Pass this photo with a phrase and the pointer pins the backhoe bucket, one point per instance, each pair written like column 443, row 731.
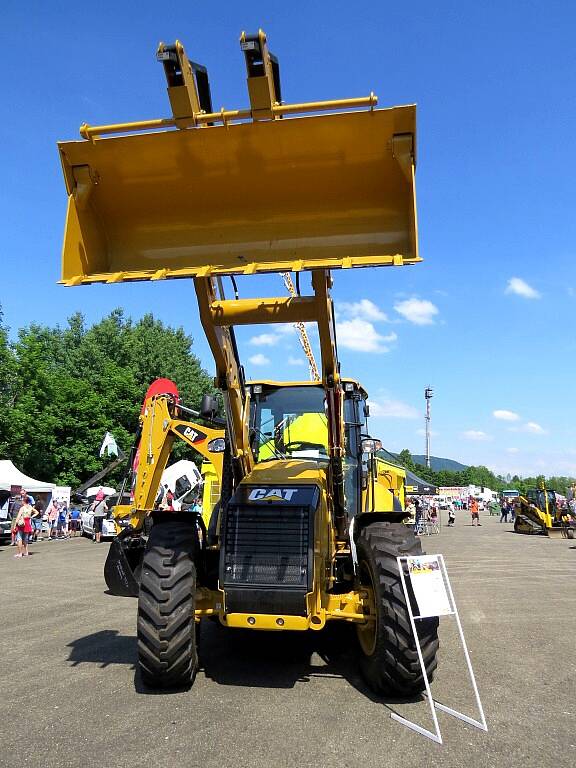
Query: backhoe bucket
column 325, row 191
column 123, row 564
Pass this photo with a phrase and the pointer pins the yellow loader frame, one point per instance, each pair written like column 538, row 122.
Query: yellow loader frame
column 272, row 188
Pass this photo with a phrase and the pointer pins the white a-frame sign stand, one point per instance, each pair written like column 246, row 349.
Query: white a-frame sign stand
column 434, row 597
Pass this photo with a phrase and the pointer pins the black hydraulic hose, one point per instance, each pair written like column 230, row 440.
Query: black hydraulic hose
column 234, row 286
column 242, row 381
column 340, row 518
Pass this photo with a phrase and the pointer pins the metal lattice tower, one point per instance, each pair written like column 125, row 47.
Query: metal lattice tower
column 428, row 394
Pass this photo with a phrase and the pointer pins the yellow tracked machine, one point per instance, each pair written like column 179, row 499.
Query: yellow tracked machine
column 308, row 525
column 539, row 513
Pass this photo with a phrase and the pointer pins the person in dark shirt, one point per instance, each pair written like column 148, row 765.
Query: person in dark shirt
column 37, row 516
column 74, row 522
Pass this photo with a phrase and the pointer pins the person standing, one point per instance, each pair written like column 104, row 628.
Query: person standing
column 63, row 521
column 52, row 515
column 23, row 527
column 503, row 511
column 99, row 510
column 31, row 499
column 75, row 522
column 37, row 515
column 418, row 515
column 473, row 506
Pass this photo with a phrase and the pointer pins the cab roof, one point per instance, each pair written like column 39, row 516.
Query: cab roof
column 268, row 383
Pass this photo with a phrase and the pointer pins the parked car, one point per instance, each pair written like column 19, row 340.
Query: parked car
column 87, row 525
column 5, row 527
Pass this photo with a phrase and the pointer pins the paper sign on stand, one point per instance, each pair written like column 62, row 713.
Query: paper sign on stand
column 433, row 593
column 428, row 585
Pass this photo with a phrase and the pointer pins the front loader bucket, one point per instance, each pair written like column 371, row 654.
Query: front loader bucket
column 326, row 191
column 560, row 532
column 123, row 564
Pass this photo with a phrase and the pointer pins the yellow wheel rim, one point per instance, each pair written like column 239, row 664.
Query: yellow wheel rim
column 368, row 632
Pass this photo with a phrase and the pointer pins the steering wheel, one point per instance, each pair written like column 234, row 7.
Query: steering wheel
column 304, row 445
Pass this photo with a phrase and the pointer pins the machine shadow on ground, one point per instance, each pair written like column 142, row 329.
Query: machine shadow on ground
column 245, row 658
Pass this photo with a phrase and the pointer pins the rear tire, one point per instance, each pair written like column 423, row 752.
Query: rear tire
column 389, row 659
column 167, row 653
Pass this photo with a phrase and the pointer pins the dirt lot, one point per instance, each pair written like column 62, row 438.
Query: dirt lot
column 68, row 673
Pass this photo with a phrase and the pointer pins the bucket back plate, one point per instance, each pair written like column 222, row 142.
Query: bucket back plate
column 325, row 191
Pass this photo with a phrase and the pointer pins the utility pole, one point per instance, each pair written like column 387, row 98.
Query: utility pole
column 428, row 394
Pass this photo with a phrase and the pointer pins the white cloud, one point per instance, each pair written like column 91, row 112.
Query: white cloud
column 259, row 359
column 264, row 340
column 534, row 428
column 286, row 328
column 521, row 288
column 364, row 309
column 504, row 415
column 387, row 407
column 295, row 361
column 361, row 336
column 476, row 434
column 512, row 450
column 417, row 311
column 531, row 427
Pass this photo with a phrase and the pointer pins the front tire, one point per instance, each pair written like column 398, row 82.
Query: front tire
column 389, row 659
column 166, row 627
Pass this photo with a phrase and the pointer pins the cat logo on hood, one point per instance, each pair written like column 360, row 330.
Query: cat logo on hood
column 272, row 494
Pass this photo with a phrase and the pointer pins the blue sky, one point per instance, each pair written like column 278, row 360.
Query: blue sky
column 486, row 319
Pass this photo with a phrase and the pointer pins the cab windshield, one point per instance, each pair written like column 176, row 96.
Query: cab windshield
column 288, row 422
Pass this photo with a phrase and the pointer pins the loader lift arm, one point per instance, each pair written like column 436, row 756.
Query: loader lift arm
column 218, row 316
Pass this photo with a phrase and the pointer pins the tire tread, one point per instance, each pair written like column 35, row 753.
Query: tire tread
column 167, row 653
column 393, row 667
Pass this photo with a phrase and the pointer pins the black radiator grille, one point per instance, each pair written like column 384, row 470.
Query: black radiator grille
column 267, row 545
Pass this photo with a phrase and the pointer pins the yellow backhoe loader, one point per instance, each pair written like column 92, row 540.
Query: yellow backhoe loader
column 309, row 525
column 539, row 513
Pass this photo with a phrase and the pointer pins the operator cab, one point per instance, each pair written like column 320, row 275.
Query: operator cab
column 544, row 500
column 289, row 421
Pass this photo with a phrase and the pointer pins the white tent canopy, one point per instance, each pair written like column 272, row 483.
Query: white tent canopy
column 106, row 490
column 10, row 475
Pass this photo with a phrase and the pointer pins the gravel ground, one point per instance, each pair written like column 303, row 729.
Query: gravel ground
column 68, row 670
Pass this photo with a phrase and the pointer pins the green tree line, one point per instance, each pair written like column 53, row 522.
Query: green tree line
column 62, row 388
column 482, row 476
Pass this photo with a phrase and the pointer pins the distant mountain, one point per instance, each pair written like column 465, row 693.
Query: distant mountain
column 438, row 464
